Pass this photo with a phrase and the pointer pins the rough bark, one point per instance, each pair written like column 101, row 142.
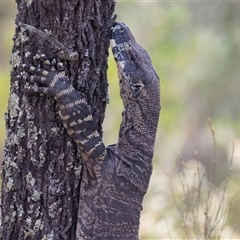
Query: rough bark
column 41, row 169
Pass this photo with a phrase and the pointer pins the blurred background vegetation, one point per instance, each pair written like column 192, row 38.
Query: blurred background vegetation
column 195, row 48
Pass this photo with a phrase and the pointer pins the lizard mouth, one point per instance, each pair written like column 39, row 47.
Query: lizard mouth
column 120, row 42
column 120, row 71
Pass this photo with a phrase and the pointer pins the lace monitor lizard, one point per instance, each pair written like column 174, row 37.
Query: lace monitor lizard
column 115, row 178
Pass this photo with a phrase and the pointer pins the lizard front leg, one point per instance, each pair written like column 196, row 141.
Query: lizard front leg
column 73, row 108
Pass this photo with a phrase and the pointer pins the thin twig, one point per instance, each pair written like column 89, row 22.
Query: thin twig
column 169, row 233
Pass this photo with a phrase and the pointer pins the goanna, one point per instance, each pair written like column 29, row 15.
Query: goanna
column 115, row 178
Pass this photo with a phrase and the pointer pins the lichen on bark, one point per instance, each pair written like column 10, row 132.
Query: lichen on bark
column 41, row 169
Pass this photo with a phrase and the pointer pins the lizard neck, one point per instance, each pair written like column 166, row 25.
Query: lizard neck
column 139, row 125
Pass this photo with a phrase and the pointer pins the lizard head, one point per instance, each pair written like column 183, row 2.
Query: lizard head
column 135, row 70
column 139, row 90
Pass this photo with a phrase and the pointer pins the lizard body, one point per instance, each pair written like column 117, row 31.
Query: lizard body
column 114, row 178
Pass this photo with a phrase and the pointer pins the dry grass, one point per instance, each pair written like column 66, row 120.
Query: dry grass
column 204, row 209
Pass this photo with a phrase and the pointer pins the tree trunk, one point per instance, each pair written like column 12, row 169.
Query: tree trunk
column 41, row 169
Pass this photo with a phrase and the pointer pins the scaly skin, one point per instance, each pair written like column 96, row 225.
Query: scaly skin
column 62, row 52
column 114, row 179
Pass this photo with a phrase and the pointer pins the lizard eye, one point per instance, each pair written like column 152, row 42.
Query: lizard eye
column 121, row 29
column 132, row 58
column 137, row 87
